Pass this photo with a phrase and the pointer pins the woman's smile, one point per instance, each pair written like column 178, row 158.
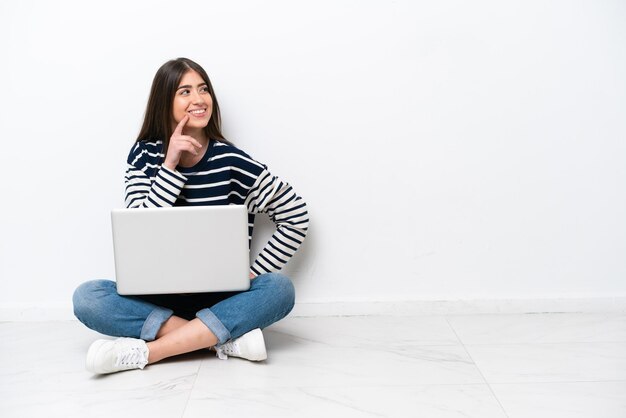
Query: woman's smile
column 199, row 113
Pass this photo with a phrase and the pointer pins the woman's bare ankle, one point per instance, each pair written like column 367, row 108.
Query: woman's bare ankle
column 153, row 356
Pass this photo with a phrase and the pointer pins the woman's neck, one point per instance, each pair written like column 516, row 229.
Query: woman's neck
column 189, row 160
column 197, row 134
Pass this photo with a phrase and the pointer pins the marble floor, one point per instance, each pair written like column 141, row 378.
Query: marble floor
column 537, row 365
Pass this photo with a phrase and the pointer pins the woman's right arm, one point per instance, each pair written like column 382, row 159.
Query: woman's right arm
column 165, row 185
column 145, row 192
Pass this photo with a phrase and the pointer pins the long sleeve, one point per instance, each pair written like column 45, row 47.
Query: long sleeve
column 288, row 211
column 143, row 191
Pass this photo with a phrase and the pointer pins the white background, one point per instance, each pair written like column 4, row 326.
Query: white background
column 447, row 150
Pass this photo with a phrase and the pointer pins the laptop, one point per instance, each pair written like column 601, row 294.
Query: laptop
column 181, row 249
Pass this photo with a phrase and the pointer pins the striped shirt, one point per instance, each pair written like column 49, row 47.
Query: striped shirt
column 225, row 176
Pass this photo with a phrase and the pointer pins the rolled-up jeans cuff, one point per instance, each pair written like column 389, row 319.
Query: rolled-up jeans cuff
column 215, row 325
column 153, row 323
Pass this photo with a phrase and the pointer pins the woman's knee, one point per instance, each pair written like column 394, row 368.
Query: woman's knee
column 86, row 296
column 281, row 288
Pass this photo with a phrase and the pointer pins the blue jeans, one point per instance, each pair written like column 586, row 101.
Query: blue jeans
column 227, row 314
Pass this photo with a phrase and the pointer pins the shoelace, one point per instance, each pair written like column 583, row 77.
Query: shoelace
column 133, row 356
column 224, row 350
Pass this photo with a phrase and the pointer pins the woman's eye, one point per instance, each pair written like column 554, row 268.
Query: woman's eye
column 204, row 89
column 184, row 92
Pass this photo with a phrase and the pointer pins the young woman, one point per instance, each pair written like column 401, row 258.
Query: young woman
column 181, row 158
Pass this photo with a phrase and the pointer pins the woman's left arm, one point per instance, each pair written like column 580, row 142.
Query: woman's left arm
column 288, row 211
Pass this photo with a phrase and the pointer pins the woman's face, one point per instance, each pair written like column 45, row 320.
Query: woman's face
column 192, row 98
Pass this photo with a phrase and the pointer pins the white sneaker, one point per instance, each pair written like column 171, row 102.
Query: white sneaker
column 109, row 356
column 250, row 346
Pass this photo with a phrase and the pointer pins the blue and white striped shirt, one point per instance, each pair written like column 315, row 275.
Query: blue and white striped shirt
column 224, row 176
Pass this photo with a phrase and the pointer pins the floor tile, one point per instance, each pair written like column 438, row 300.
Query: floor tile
column 293, row 361
column 348, row 401
column 533, row 328
column 357, row 331
column 565, row 362
column 32, row 363
column 566, row 400
column 42, row 373
column 156, row 401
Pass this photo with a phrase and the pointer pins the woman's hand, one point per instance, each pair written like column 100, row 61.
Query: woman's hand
column 180, row 143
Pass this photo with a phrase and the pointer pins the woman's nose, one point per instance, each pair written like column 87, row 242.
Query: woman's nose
column 197, row 98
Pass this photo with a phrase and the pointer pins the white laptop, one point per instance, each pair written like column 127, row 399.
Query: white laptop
column 181, row 249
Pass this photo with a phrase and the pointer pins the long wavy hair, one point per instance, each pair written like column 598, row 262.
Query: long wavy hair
column 157, row 122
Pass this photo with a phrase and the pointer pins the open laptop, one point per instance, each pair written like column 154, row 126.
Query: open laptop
column 181, row 249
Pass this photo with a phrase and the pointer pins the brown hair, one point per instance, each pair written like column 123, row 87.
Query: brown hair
column 157, row 122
